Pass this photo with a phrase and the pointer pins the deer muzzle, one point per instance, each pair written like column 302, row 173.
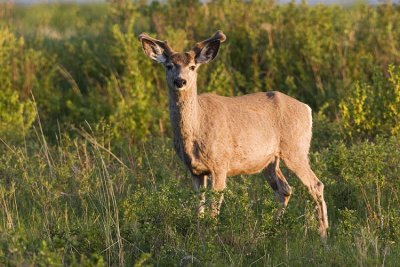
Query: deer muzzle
column 179, row 83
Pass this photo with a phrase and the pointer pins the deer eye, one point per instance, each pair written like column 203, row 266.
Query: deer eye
column 192, row 67
column 169, row 66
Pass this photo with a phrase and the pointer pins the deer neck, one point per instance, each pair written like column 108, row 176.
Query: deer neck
column 184, row 114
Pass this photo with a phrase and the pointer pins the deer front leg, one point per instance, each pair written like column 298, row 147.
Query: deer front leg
column 200, row 185
column 218, row 186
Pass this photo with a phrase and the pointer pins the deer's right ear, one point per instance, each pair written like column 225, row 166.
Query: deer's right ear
column 155, row 49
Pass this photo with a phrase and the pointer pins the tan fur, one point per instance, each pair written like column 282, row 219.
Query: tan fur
column 225, row 136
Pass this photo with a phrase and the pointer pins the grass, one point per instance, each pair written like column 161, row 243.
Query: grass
column 76, row 203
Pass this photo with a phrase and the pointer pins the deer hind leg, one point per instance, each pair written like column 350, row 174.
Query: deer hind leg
column 278, row 183
column 218, row 186
column 200, row 184
column 301, row 167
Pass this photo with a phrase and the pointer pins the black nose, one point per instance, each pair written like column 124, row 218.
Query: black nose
column 179, row 82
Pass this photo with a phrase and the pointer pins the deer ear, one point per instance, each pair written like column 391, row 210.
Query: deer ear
column 154, row 51
column 208, row 52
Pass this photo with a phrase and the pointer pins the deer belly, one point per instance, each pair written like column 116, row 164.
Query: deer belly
column 252, row 158
column 250, row 166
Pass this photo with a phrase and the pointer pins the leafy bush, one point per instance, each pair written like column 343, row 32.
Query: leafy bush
column 18, row 68
column 373, row 109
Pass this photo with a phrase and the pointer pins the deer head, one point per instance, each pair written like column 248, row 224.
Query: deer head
column 181, row 68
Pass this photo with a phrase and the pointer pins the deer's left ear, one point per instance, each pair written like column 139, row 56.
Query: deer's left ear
column 207, row 50
column 208, row 53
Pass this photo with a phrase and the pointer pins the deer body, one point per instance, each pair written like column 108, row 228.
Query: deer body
column 242, row 134
column 221, row 136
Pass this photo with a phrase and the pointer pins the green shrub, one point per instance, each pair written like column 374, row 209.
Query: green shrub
column 373, row 109
column 18, row 70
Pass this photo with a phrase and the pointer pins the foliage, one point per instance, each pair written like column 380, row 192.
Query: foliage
column 18, row 68
column 88, row 176
column 93, row 69
column 372, row 109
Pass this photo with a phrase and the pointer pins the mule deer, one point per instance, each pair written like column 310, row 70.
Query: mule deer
column 224, row 136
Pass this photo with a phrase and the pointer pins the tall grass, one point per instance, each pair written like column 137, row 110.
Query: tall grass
column 90, row 207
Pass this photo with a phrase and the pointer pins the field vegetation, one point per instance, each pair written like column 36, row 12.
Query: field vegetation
column 88, row 176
